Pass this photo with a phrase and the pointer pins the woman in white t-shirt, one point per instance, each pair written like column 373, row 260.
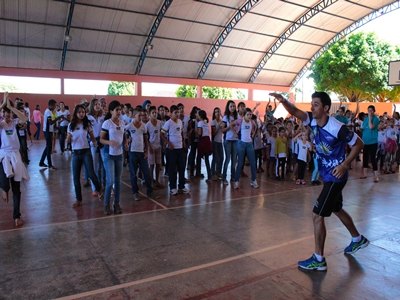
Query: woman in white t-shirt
column 218, row 149
column 12, row 169
column 204, row 148
column 96, row 119
column 230, row 129
column 245, row 148
column 77, row 134
column 112, row 136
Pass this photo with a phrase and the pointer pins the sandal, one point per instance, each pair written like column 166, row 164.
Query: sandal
column 376, row 179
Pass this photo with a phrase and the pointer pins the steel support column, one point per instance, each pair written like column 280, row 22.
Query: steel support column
column 285, row 35
column 66, row 34
column 152, row 33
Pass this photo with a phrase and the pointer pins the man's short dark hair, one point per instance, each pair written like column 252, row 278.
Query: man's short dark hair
column 52, row 102
column 173, row 108
column 324, row 97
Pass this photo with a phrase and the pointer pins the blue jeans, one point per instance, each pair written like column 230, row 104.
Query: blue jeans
column 176, row 163
column 218, row 158
column 37, row 133
column 137, row 160
column 98, row 167
column 243, row 149
column 79, row 158
column 230, row 156
column 315, row 172
column 113, row 166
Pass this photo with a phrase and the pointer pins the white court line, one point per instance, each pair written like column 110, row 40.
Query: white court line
column 198, row 267
column 151, row 199
column 182, row 271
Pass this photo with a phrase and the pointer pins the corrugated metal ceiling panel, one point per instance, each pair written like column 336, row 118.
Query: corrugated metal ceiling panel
column 274, row 78
column 228, row 73
column 177, row 50
column 159, row 67
column 248, row 40
column 18, row 57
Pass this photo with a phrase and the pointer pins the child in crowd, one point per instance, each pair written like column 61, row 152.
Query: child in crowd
column 304, row 147
column 153, row 127
column 218, row 150
column 281, row 153
column 204, row 148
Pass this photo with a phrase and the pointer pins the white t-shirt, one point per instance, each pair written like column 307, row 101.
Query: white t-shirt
column 27, row 113
column 174, row 131
column 137, row 136
column 391, row 133
column 185, row 124
column 96, row 124
column 154, row 134
column 303, row 149
column 47, row 114
column 64, row 113
column 115, row 133
column 218, row 131
column 205, row 128
column 8, row 135
column 272, row 141
column 79, row 137
column 245, row 131
column 230, row 134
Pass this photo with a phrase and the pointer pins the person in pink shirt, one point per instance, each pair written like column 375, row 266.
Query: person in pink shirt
column 37, row 119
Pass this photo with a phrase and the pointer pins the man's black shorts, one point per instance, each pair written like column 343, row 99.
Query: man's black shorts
column 330, row 200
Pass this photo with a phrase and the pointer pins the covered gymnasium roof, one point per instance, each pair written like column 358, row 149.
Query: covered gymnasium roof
column 260, row 41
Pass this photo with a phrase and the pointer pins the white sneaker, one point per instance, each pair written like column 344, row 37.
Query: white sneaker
column 185, row 191
column 136, row 197
column 236, row 185
column 254, row 184
column 173, row 192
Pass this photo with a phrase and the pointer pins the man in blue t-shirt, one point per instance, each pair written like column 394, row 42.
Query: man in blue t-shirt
column 330, row 139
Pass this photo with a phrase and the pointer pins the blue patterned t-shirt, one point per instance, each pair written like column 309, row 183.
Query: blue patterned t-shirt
column 330, row 142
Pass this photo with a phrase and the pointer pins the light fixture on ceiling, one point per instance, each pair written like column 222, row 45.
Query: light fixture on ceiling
column 216, row 54
column 67, row 38
column 149, row 47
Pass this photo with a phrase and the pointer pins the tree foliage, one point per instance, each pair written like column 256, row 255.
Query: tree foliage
column 190, row 91
column 120, row 88
column 356, row 67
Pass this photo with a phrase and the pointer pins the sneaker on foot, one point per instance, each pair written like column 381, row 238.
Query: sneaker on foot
column 313, row 264
column 254, row 184
column 184, row 191
column 236, row 185
column 117, row 209
column 43, row 165
column 136, row 197
column 77, row 204
column 107, row 211
column 355, row 246
column 173, row 192
column 225, row 182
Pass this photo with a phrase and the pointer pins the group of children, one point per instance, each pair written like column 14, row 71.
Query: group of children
column 105, row 138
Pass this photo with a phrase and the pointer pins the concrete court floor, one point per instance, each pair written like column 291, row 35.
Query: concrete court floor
column 215, row 243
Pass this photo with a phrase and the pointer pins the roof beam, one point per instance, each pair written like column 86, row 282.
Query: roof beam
column 285, row 35
column 67, row 29
column 325, row 12
column 372, row 16
column 152, row 33
column 245, row 8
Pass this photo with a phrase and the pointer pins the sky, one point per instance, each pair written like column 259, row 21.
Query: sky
column 385, row 28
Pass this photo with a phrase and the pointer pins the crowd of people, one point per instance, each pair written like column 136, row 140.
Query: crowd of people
column 165, row 141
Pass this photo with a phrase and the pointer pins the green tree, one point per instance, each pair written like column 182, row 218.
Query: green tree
column 7, row 87
column 186, row 91
column 355, row 67
column 121, row 88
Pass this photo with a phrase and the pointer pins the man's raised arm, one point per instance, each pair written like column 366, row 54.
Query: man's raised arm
column 293, row 110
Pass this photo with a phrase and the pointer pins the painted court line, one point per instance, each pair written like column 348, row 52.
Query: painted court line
column 151, row 199
column 147, row 211
column 182, row 271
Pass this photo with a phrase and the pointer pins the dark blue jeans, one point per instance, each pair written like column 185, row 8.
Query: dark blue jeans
column 230, row 157
column 176, row 162
column 218, row 158
column 49, row 148
column 16, row 190
column 136, row 161
column 37, row 133
column 79, row 158
column 62, row 130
